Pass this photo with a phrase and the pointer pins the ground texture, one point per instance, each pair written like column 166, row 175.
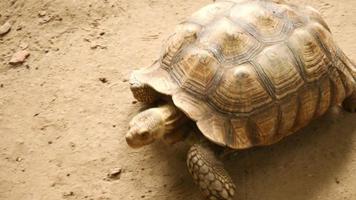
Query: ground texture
column 64, row 112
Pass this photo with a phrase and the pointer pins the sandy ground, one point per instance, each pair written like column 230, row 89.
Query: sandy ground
column 62, row 129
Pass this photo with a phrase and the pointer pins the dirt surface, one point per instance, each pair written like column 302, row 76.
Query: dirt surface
column 65, row 110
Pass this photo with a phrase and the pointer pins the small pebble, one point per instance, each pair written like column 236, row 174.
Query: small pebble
column 18, row 159
column 72, row 145
column 94, row 46
column 19, row 57
column 103, row 80
column 114, row 173
column 67, row 194
column 97, row 46
column 5, row 28
column 42, row 13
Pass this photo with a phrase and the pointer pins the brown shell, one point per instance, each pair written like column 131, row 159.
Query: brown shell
column 251, row 72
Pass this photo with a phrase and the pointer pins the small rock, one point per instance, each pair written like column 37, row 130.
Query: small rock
column 68, row 194
column 18, row 159
column 114, row 174
column 58, row 18
column 103, row 80
column 42, row 13
column 94, row 46
column 5, row 28
column 72, row 145
column 19, row 57
column 45, row 19
column 97, row 46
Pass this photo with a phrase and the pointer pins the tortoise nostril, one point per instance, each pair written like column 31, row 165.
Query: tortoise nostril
column 145, row 134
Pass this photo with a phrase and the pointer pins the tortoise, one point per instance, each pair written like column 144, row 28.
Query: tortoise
column 239, row 74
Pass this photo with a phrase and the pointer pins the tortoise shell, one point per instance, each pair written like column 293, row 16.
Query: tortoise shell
column 251, row 72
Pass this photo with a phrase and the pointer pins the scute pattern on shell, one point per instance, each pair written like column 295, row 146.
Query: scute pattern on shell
column 251, row 72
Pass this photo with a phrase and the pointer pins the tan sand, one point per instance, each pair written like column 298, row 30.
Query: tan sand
column 62, row 129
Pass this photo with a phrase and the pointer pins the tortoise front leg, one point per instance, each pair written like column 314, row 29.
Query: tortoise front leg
column 142, row 92
column 209, row 174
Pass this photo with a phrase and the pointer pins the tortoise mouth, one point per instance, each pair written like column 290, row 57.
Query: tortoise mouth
column 137, row 140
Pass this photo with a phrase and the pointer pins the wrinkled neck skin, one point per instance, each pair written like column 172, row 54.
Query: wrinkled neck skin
column 174, row 119
column 171, row 118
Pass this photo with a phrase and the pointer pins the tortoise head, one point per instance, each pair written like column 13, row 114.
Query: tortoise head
column 145, row 128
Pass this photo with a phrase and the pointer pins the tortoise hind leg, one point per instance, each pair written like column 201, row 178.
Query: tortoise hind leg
column 349, row 103
column 209, row 173
column 142, row 92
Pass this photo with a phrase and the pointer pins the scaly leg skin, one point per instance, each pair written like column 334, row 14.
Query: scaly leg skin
column 349, row 103
column 209, row 173
column 142, row 92
column 153, row 124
